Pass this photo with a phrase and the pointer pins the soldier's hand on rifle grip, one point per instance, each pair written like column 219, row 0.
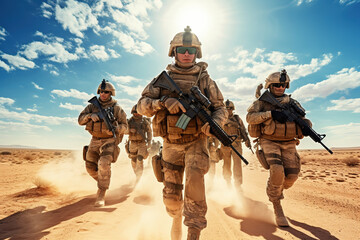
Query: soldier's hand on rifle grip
column 206, row 130
column 278, row 116
column 174, row 106
column 108, row 132
column 94, row 117
column 306, row 131
column 248, row 144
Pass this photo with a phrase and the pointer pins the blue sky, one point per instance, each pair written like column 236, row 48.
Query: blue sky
column 53, row 55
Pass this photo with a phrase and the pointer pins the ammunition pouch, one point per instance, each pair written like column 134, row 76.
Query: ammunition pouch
column 254, row 130
column 85, row 149
column 97, row 129
column 158, row 168
column 116, row 154
column 261, row 157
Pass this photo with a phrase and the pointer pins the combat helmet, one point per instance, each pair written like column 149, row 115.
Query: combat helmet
column 186, row 39
column 229, row 105
column 106, row 86
column 134, row 109
column 277, row 77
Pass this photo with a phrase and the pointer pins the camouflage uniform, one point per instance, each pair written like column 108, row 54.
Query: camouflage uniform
column 103, row 149
column 140, row 136
column 234, row 126
column 278, row 141
column 185, row 148
column 213, row 145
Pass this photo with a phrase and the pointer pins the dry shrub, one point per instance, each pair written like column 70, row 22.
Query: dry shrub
column 351, row 162
column 57, row 153
column 5, row 153
column 29, row 157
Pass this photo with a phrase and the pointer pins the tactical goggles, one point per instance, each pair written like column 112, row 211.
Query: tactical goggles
column 182, row 50
column 277, row 85
column 106, row 92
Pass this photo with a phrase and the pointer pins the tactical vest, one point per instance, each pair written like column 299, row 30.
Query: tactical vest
column 140, row 126
column 164, row 122
column 232, row 126
column 274, row 130
column 97, row 129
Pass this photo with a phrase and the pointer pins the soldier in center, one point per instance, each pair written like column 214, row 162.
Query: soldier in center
column 234, row 126
column 140, row 136
column 184, row 150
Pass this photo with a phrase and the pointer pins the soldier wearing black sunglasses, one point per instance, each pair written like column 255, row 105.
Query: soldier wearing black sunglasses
column 277, row 137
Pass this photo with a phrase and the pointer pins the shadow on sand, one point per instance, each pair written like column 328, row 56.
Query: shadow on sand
column 257, row 226
column 31, row 223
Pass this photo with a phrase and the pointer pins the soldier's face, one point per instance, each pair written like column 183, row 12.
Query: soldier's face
column 277, row 91
column 104, row 95
column 186, row 57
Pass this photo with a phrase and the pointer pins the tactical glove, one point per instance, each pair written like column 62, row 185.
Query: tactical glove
column 306, row 131
column 174, row 106
column 206, row 130
column 94, row 117
column 278, row 116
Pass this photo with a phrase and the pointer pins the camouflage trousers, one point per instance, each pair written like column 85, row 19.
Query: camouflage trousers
column 284, row 162
column 100, row 155
column 214, row 158
column 137, row 153
column 194, row 157
column 227, row 153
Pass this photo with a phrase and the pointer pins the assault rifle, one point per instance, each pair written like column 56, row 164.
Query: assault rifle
column 104, row 114
column 294, row 114
column 195, row 104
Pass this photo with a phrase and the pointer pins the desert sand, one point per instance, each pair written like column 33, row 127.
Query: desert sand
column 47, row 194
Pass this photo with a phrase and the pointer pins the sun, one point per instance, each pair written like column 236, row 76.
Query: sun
column 206, row 18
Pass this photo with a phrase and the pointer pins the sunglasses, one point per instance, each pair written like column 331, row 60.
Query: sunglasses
column 277, row 85
column 182, row 50
column 106, row 92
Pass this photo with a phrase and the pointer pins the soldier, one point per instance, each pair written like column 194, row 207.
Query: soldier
column 140, row 136
column 234, row 126
column 184, row 150
column 103, row 149
column 278, row 138
column 213, row 145
column 154, row 148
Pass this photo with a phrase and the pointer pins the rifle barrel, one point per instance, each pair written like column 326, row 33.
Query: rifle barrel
column 242, row 158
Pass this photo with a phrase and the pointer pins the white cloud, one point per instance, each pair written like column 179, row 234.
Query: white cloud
column 7, row 101
column 76, row 16
column 46, row 10
column 342, row 80
column 299, row 2
column 51, row 68
column 56, row 50
column 132, row 91
column 72, row 93
column 260, row 64
column 55, row 73
column 124, row 79
column 113, row 53
column 13, row 126
column 3, row 33
column 99, row 52
column 37, row 86
column 5, row 66
column 72, row 106
column 35, row 96
column 34, row 109
column 346, row 105
column 348, row 2
column 18, row 61
column 213, row 57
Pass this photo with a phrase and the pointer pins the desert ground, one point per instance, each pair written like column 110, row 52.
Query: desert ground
column 47, row 194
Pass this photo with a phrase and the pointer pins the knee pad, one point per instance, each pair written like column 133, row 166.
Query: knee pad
column 140, row 158
column 92, row 169
column 277, row 174
column 290, row 179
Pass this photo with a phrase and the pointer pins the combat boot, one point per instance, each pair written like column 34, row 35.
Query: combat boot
column 280, row 218
column 100, row 198
column 193, row 234
column 176, row 231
